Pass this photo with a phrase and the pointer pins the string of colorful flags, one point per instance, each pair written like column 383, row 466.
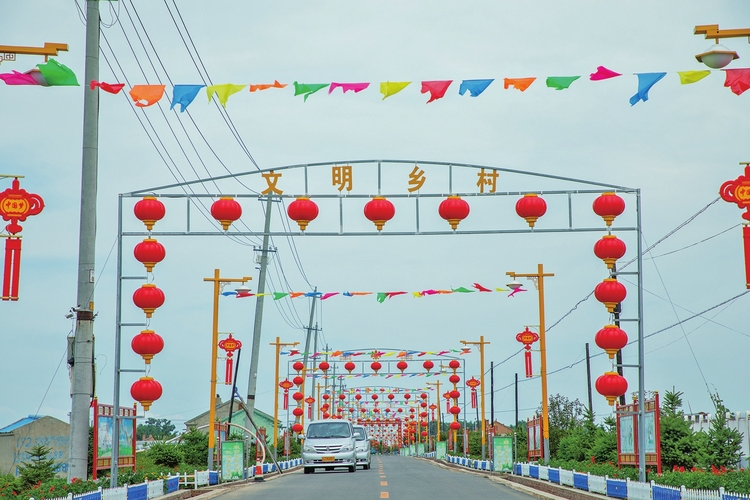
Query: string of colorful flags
column 52, row 73
column 380, row 296
column 376, row 354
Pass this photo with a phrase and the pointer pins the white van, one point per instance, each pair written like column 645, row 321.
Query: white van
column 362, row 446
column 329, row 444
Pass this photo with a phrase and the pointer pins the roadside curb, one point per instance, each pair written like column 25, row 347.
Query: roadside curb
column 208, row 492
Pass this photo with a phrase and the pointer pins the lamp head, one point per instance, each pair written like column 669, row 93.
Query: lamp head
column 717, row 56
column 243, row 288
column 514, row 285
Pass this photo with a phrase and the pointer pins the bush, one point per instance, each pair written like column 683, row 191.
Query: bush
column 165, row 454
column 194, row 445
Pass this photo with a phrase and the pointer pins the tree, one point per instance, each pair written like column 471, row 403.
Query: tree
column 521, row 438
column 605, row 445
column 724, row 447
column 578, row 442
column 194, row 445
column 678, row 446
column 564, row 415
column 166, row 454
column 158, row 428
column 38, row 468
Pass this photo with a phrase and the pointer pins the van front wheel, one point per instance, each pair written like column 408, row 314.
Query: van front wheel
column 353, row 468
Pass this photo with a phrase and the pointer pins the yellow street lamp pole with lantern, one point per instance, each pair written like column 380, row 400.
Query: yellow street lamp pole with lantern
column 278, row 345
column 538, row 279
column 219, row 283
column 437, row 387
column 481, row 345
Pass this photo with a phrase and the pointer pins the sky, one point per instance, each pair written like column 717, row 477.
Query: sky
column 677, row 148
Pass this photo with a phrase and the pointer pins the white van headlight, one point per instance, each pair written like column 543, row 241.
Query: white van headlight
column 346, row 448
column 308, row 449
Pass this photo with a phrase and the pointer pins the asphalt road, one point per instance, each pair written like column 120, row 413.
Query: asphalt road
column 391, row 476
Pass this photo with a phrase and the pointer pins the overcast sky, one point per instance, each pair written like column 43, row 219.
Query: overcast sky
column 678, row 148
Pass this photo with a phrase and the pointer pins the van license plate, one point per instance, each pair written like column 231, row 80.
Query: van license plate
column 328, row 459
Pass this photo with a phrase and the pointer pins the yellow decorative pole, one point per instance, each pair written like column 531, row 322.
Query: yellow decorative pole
column 278, row 345
column 538, row 279
column 481, row 345
column 437, row 385
column 218, row 282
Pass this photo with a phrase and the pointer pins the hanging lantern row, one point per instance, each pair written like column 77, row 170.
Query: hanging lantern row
column 148, row 297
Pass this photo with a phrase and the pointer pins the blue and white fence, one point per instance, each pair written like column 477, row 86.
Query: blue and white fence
column 160, row 487
column 613, row 488
column 468, row 462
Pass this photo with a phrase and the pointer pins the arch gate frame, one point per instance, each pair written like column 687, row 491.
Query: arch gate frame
column 271, row 193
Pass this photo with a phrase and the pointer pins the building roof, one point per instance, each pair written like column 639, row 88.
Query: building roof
column 20, row 423
column 224, row 407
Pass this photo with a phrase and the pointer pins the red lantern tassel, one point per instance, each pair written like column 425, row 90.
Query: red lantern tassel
column 309, row 412
column 286, row 400
column 527, row 359
column 448, row 406
column 228, row 372
column 12, row 268
column 746, row 238
column 474, row 398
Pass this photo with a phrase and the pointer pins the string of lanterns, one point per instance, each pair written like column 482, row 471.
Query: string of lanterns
column 148, row 297
column 611, row 293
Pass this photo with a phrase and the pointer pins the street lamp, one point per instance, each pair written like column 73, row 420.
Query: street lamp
column 437, row 386
column 481, row 345
column 717, row 56
column 538, row 279
column 278, row 345
column 218, row 285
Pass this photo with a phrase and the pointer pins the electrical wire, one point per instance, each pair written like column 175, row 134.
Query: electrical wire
column 696, row 243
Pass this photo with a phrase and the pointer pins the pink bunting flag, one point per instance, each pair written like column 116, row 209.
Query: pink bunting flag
column 603, row 73
column 436, row 88
column 329, row 294
column 390, row 295
column 355, row 87
column 736, row 79
column 112, row 88
column 17, row 78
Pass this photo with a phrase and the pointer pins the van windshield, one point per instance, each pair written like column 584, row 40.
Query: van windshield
column 359, row 434
column 316, row 431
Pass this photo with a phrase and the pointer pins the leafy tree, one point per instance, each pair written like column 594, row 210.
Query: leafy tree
column 678, row 446
column 604, row 448
column 38, row 468
column 724, row 447
column 522, row 446
column 158, row 428
column 194, row 445
column 564, row 415
column 578, row 443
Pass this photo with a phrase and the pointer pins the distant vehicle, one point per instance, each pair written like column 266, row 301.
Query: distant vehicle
column 329, row 444
column 362, row 445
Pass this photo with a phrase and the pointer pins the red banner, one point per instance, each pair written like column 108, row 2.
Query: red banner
column 746, row 238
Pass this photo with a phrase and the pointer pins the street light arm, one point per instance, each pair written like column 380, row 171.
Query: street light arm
column 712, row 31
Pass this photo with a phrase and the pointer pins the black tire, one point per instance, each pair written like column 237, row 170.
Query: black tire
column 309, row 470
column 353, row 468
column 367, row 466
column 329, row 469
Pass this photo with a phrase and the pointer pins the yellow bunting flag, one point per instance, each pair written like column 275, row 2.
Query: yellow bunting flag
column 223, row 92
column 391, row 88
column 687, row 77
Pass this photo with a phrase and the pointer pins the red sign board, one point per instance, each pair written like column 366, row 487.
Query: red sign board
column 535, row 438
column 628, row 431
column 106, row 436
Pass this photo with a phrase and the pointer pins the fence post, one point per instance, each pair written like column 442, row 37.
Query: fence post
column 682, row 491
column 721, row 492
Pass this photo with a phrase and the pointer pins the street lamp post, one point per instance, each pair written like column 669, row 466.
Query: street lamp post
column 437, row 387
column 278, row 345
column 538, row 279
column 218, row 285
column 481, row 345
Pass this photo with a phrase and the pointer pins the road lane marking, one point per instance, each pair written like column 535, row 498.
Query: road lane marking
column 383, row 483
column 384, row 494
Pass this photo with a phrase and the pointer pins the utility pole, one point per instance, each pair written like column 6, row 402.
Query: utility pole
column 492, row 393
column 82, row 383
column 253, row 378
column 515, row 427
column 305, row 355
column 588, row 379
column 617, row 311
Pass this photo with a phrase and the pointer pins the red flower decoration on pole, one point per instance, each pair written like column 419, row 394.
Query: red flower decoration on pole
column 302, row 211
column 379, row 210
column 531, row 207
column 454, row 210
column 226, row 210
column 608, row 206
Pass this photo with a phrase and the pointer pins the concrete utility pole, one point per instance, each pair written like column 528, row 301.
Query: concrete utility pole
column 82, row 383
column 253, row 378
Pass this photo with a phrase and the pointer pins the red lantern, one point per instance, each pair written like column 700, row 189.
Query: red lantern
column 298, row 396
column 611, row 339
column 358, row 396
column 374, row 397
column 298, row 366
column 402, row 365
column 376, row 366
column 149, row 252
column 298, row 427
column 531, row 207
column 608, row 206
column 611, row 386
column 424, row 433
column 326, row 397
column 610, row 292
column 454, row 364
column 229, row 345
column 149, row 298
column 149, row 210
column 527, row 337
column 349, row 366
column 298, row 381
column 455, row 426
column 342, row 397
column 324, row 366
column 302, row 211
column 379, row 211
column 146, row 390
column 286, row 385
column 455, row 410
column 428, row 365
column 407, row 396
column 454, row 210
column 454, row 394
column 147, row 344
column 454, row 379
column 609, row 249
column 297, row 412
column 391, row 396
column 226, row 210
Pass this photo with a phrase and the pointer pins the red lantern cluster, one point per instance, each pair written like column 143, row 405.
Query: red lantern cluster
column 148, row 297
column 530, row 208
